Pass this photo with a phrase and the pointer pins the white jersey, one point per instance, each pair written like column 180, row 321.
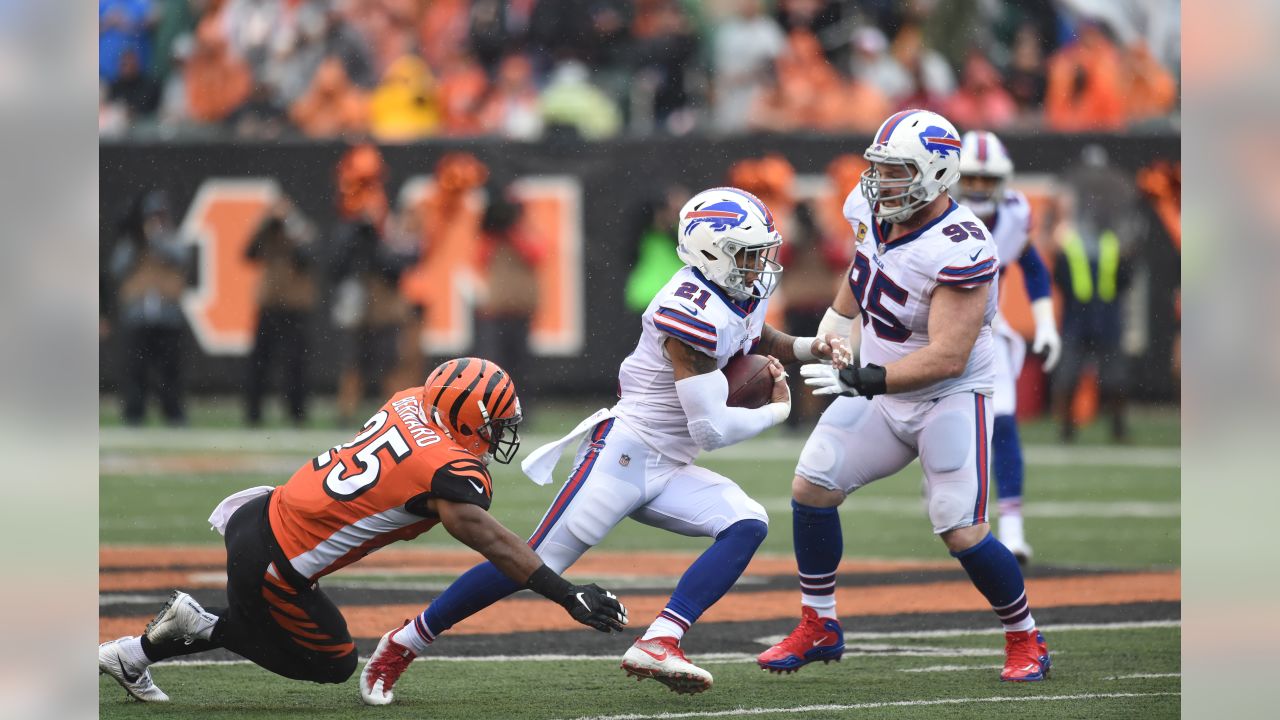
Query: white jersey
column 699, row 313
column 1011, row 227
column 893, row 284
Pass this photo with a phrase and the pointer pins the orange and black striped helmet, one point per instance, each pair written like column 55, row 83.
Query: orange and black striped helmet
column 474, row 401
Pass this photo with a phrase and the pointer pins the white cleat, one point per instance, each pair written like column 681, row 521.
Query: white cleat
column 181, row 618
column 382, row 671
column 135, row 681
column 662, row 659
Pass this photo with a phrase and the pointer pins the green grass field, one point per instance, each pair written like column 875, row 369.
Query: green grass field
column 1088, row 506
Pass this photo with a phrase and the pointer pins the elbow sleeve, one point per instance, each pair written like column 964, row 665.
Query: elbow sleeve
column 712, row 423
column 1034, row 273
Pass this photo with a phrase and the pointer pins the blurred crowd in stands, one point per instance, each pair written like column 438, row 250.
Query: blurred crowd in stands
column 402, row 70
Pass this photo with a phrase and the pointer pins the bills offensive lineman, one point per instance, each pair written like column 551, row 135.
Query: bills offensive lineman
column 985, row 170
column 921, row 279
column 636, row 459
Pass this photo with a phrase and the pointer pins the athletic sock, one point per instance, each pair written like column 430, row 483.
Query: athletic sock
column 819, row 545
column 475, row 590
column 708, row 578
column 1006, row 459
column 995, row 572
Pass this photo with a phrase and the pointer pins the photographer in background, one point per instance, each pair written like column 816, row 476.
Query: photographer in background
column 368, row 306
column 150, row 265
column 286, row 298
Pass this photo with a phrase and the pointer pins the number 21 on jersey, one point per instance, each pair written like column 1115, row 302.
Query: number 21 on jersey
column 870, row 288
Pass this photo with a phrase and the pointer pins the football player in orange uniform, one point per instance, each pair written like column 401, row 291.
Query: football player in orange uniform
column 418, row 462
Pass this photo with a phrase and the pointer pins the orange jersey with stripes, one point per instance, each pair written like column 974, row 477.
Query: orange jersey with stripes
column 372, row 491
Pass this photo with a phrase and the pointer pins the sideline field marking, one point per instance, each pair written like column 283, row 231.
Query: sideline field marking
column 914, row 507
column 306, row 442
column 740, row 657
column 740, row 712
column 771, row 640
column 1144, row 676
column 951, row 668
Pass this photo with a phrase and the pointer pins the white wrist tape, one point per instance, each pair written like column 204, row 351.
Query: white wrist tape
column 803, row 348
column 835, row 323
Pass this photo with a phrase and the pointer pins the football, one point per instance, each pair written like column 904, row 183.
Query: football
column 750, row 383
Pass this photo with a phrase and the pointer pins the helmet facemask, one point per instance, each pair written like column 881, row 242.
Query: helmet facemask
column 908, row 191
column 760, row 261
column 502, row 435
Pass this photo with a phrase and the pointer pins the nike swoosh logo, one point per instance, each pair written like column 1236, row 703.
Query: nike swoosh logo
column 654, row 655
column 478, row 488
column 690, row 310
column 976, row 253
column 818, row 642
column 124, row 671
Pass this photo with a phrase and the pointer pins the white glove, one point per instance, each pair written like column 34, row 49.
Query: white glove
column 1047, row 342
column 824, row 379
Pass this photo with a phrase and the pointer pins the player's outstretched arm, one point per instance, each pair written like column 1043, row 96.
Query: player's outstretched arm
column 704, row 395
column 588, row 604
column 833, row 343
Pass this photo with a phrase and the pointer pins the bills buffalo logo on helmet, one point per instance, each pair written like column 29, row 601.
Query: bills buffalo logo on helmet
column 720, row 215
column 936, row 139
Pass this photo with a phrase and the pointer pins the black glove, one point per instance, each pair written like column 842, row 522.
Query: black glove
column 594, row 606
column 867, row 381
column 590, row 605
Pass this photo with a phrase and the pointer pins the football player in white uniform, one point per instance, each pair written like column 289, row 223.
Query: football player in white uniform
column 985, row 169
column 921, row 280
column 636, row 459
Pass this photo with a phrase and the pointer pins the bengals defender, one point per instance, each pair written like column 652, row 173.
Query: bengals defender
column 420, row 461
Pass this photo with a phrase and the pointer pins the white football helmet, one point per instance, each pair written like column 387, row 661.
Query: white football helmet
column 983, row 155
column 727, row 234
column 924, row 142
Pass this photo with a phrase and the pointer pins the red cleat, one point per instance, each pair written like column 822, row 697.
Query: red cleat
column 815, row 638
column 1026, row 657
column 382, row 671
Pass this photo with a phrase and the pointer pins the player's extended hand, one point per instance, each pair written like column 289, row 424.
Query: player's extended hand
column 595, row 607
column 1048, row 343
column 824, row 379
column 867, row 381
column 781, row 391
column 838, row 352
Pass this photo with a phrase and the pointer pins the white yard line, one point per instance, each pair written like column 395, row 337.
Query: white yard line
column 308, row 442
column 1144, row 676
column 996, row 630
column 912, row 507
column 952, row 668
column 741, row 712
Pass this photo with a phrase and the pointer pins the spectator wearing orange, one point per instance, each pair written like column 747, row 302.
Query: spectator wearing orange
column 406, row 104
column 510, row 254
column 981, row 102
column 1150, row 90
column 510, row 108
column 463, row 84
column 367, row 307
column 332, row 106
column 1085, row 89
column 216, row 82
